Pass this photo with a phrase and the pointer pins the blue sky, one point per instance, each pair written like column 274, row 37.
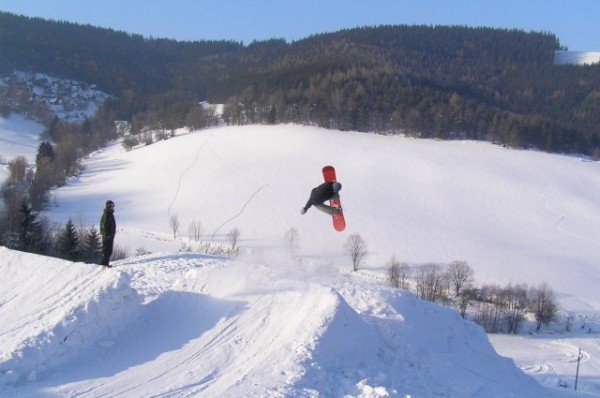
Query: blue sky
column 575, row 22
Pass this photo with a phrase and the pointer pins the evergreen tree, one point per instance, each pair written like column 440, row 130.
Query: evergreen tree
column 52, row 130
column 45, row 153
column 91, row 249
column 68, row 242
column 444, row 82
column 86, row 128
column 27, row 224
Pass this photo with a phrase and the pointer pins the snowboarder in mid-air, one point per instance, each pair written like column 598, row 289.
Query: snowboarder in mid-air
column 328, row 191
column 321, row 194
column 108, row 228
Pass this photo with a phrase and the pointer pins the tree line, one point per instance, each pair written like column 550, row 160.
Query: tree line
column 429, row 81
column 498, row 309
column 26, row 191
column 23, row 229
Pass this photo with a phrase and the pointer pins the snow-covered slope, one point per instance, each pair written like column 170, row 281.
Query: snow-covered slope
column 18, row 137
column 51, row 309
column 515, row 216
column 272, row 324
column 577, row 57
column 179, row 325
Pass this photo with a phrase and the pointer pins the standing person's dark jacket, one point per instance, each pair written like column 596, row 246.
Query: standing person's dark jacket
column 108, row 229
column 108, row 226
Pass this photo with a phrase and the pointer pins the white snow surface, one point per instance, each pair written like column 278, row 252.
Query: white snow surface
column 577, row 57
column 19, row 136
column 182, row 325
column 515, row 216
column 273, row 324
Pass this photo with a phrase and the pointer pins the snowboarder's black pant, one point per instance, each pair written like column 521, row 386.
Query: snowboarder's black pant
column 328, row 209
column 107, row 249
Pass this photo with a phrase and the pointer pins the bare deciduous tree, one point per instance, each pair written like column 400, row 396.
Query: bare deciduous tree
column 119, row 253
column 459, row 274
column 543, row 304
column 174, row 223
column 394, row 272
column 398, row 273
column 569, row 319
column 195, row 230
column 291, row 238
column 488, row 308
column 404, row 275
column 233, row 237
column 430, row 282
column 467, row 294
column 514, row 305
column 357, row 248
column 17, row 169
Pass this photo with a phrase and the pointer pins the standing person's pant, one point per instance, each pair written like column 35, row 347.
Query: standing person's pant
column 107, row 249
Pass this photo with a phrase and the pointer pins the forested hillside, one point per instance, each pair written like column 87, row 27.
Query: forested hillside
column 444, row 82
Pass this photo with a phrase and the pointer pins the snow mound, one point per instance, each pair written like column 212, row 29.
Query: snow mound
column 194, row 325
column 51, row 309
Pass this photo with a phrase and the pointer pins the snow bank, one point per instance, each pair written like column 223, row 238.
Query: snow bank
column 52, row 309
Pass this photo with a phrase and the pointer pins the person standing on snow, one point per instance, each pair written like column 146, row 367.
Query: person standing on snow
column 108, row 228
column 321, row 194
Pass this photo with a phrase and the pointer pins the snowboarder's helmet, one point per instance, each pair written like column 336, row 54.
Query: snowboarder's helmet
column 110, row 203
column 336, row 186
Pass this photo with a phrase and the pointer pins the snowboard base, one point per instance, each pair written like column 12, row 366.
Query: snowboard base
column 339, row 222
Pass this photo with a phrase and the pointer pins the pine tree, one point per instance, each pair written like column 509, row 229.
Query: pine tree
column 91, row 249
column 27, row 227
column 45, row 153
column 68, row 242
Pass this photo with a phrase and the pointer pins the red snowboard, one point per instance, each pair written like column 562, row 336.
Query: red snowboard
column 338, row 219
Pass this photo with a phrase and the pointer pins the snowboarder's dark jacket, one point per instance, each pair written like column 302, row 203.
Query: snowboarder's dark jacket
column 320, row 194
column 108, row 226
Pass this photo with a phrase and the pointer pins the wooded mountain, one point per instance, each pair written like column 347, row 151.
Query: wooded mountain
column 447, row 82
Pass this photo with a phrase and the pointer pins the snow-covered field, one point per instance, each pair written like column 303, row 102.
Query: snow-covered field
column 273, row 324
column 19, row 136
column 577, row 57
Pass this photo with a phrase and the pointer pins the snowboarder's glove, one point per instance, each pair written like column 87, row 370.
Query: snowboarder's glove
column 303, row 210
